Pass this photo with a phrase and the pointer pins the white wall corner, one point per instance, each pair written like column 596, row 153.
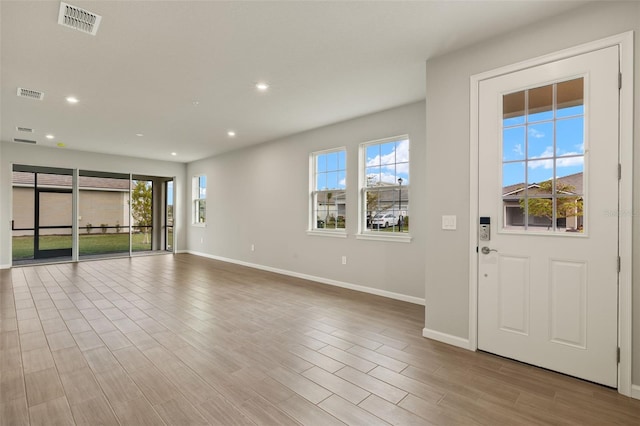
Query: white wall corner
column 447, row 338
column 635, row 391
column 356, row 287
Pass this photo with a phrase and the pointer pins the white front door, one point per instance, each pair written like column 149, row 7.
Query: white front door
column 548, row 185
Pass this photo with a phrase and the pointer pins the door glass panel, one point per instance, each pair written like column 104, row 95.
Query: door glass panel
column 540, row 103
column 142, row 213
column 103, row 219
column 513, row 176
column 42, row 214
column 513, row 109
column 169, row 218
column 570, row 136
column 54, row 233
column 514, row 143
column 543, row 158
column 539, row 171
column 540, row 140
column 22, row 223
column 570, row 98
column 513, row 191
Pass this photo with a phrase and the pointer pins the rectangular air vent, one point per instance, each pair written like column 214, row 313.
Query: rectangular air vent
column 24, row 129
column 28, row 93
column 78, row 19
column 23, row 140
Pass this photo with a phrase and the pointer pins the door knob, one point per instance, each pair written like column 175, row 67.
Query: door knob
column 487, row 250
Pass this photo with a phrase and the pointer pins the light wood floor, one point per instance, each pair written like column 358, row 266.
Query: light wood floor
column 184, row 340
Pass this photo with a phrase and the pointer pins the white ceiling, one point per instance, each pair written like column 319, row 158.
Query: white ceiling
column 151, row 60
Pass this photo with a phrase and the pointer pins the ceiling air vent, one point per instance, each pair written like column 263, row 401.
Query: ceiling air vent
column 23, row 140
column 24, row 129
column 28, row 93
column 78, row 19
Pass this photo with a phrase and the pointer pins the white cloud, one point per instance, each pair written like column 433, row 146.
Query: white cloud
column 560, row 162
column 571, row 161
column 535, row 133
column 518, row 149
column 399, row 155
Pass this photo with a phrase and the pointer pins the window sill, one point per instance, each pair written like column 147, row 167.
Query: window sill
column 331, row 234
column 199, row 225
column 403, row 238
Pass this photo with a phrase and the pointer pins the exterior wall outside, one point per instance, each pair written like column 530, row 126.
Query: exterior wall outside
column 448, row 94
column 108, row 207
column 276, row 174
column 96, row 208
column 13, row 153
column 23, row 203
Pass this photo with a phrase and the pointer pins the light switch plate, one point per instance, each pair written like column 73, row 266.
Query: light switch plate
column 449, row 222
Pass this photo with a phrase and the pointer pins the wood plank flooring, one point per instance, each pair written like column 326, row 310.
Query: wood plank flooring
column 182, row 340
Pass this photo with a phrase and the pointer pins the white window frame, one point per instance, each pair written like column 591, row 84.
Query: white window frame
column 363, row 232
column 196, row 200
column 312, row 227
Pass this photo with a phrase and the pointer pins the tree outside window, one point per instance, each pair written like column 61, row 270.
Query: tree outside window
column 142, row 207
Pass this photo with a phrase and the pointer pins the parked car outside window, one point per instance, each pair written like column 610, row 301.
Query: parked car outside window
column 384, row 220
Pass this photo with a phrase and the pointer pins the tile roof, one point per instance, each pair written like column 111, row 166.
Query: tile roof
column 575, row 180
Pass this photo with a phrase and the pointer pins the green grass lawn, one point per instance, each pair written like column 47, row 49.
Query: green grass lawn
column 89, row 244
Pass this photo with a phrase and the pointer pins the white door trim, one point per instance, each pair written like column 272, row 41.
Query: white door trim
column 624, row 42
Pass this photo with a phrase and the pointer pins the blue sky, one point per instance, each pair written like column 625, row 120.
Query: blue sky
column 534, row 141
column 331, row 170
column 387, row 162
column 170, row 193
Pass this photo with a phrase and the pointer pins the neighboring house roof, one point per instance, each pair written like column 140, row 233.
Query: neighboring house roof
column 64, row 181
column 574, row 181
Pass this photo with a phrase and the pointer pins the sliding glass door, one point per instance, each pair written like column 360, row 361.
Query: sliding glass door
column 115, row 214
column 42, row 222
column 103, row 215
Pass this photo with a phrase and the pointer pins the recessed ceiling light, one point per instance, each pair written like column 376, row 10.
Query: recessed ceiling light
column 231, row 133
column 139, row 135
column 72, row 99
column 196, row 103
column 50, row 136
column 262, row 86
column 174, row 153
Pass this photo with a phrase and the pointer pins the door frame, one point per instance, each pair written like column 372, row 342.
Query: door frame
column 624, row 42
column 47, row 254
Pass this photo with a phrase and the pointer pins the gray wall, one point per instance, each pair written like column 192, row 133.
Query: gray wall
column 14, row 153
column 260, row 196
column 447, row 97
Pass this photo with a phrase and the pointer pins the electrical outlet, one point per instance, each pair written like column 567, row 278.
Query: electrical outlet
column 201, row 240
column 253, row 247
column 344, row 260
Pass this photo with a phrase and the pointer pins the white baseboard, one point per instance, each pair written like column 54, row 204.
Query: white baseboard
column 447, row 338
column 356, row 287
column 5, row 266
column 635, row 391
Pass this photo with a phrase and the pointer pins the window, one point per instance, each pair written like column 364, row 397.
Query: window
column 199, row 186
column 543, row 165
column 384, row 183
column 328, row 190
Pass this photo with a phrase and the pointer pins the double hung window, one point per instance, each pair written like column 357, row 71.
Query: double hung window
column 384, row 187
column 199, row 196
column 328, row 190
